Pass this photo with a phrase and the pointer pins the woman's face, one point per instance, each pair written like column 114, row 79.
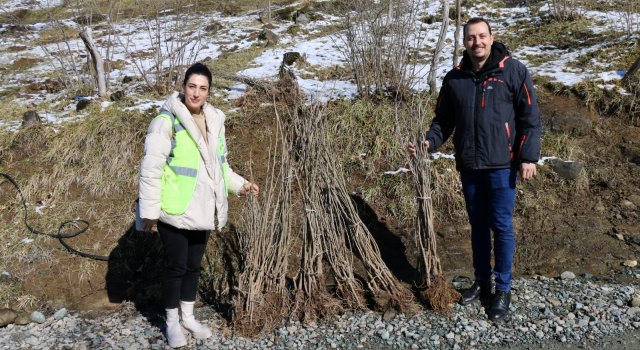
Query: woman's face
column 196, row 91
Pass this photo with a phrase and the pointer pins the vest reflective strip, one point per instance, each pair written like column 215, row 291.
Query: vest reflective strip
column 190, row 172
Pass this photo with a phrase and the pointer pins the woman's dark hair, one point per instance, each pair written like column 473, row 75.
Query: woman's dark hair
column 198, row 69
column 475, row 20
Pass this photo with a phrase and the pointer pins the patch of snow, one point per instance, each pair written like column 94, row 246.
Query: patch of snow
column 401, row 170
column 442, row 155
column 5, row 273
column 27, row 240
column 542, row 160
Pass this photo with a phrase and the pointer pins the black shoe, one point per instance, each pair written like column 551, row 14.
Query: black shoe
column 478, row 290
column 500, row 307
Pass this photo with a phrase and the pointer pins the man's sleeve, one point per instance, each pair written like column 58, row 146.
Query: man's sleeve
column 444, row 122
column 528, row 123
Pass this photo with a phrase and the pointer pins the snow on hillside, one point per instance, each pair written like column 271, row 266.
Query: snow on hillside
column 131, row 48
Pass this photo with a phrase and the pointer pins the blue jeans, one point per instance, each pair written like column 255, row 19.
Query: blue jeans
column 490, row 198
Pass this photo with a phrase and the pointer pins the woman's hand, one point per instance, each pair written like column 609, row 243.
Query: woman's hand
column 412, row 148
column 248, row 189
column 150, row 225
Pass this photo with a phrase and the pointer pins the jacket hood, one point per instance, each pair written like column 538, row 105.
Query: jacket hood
column 498, row 54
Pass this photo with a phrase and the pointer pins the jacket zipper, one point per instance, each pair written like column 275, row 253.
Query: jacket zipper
column 484, row 88
column 506, row 125
column 524, row 137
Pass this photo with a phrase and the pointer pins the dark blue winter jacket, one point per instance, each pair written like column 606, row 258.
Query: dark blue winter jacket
column 493, row 112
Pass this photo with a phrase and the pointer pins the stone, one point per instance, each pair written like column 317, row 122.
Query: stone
column 627, row 204
column 269, row 36
column 599, row 206
column 570, row 123
column 117, row 96
column 389, row 315
column 7, row 316
column 301, row 18
column 82, row 104
column 214, row 27
column 566, row 170
column 290, row 58
column 60, row 314
column 635, row 199
column 385, row 335
column 630, row 263
column 631, row 153
column 567, row 275
column 414, row 347
column 30, row 117
column 633, row 311
column 23, row 318
column 555, row 302
column 620, row 236
column 37, row 317
column 635, row 302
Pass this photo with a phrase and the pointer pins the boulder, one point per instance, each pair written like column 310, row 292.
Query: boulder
column 567, row 170
column 301, row 18
column 7, row 316
column 82, row 104
column 30, row 117
column 117, row 96
column 23, row 318
column 570, row 123
column 290, row 58
column 567, row 275
column 269, row 36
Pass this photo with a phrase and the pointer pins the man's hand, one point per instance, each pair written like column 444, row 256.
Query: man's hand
column 150, row 225
column 527, row 171
column 412, row 149
column 248, row 189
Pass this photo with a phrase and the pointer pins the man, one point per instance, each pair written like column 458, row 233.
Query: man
column 490, row 102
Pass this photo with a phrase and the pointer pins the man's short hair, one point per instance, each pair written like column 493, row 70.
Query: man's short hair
column 475, row 20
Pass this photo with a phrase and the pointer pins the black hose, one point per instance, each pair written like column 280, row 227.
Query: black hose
column 60, row 236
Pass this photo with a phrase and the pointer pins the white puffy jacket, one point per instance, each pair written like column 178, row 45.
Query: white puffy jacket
column 209, row 198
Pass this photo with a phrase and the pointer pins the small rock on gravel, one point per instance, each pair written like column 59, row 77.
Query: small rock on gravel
column 37, row 317
column 60, row 314
column 568, row 275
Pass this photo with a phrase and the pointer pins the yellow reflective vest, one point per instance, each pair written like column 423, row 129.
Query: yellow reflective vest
column 180, row 174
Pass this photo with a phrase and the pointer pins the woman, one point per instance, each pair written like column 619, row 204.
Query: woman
column 184, row 181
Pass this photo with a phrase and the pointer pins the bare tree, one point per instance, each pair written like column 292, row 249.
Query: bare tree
column 96, row 58
column 377, row 42
column 456, row 38
column 431, row 79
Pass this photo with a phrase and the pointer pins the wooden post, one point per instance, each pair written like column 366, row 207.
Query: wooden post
column 456, row 38
column 269, row 11
column 98, row 63
column 431, row 79
column 632, row 70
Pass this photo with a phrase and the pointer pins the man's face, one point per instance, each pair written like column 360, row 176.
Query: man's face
column 478, row 41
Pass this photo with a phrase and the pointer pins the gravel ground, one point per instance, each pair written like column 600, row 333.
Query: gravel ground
column 554, row 313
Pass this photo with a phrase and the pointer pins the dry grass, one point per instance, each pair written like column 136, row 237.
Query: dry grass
column 99, row 154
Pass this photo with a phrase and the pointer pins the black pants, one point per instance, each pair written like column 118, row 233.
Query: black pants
column 183, row 251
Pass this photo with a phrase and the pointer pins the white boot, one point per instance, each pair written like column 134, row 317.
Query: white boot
column 189, row 322
column 174, row 332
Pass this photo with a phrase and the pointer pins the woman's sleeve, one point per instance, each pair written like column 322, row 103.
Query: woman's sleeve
column 157, row 147
column 235, row 181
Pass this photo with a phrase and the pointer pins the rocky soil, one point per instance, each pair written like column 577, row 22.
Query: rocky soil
column 555, row 313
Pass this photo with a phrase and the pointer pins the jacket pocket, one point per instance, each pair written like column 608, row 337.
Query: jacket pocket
column 499, row 146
